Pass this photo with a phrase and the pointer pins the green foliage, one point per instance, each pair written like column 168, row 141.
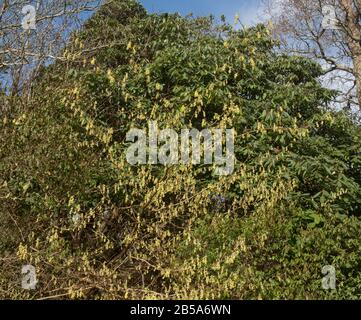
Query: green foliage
column 291, row 206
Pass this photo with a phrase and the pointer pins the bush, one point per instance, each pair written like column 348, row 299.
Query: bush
column 96, row 227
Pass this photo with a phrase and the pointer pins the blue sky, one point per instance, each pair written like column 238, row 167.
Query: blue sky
column 248, row 10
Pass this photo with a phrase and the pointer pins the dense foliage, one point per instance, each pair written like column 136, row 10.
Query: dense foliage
column 96, row 227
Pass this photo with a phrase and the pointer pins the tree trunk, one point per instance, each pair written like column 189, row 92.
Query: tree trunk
column 357, row 73
column 354, row 41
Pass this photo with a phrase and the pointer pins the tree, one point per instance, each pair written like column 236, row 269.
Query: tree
column 34, row 35
column 98, row 227
column 328, row 31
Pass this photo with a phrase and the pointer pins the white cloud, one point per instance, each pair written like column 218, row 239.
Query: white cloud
column 250, row 15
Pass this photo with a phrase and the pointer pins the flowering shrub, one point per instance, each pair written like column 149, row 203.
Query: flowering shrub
column 95, row 226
